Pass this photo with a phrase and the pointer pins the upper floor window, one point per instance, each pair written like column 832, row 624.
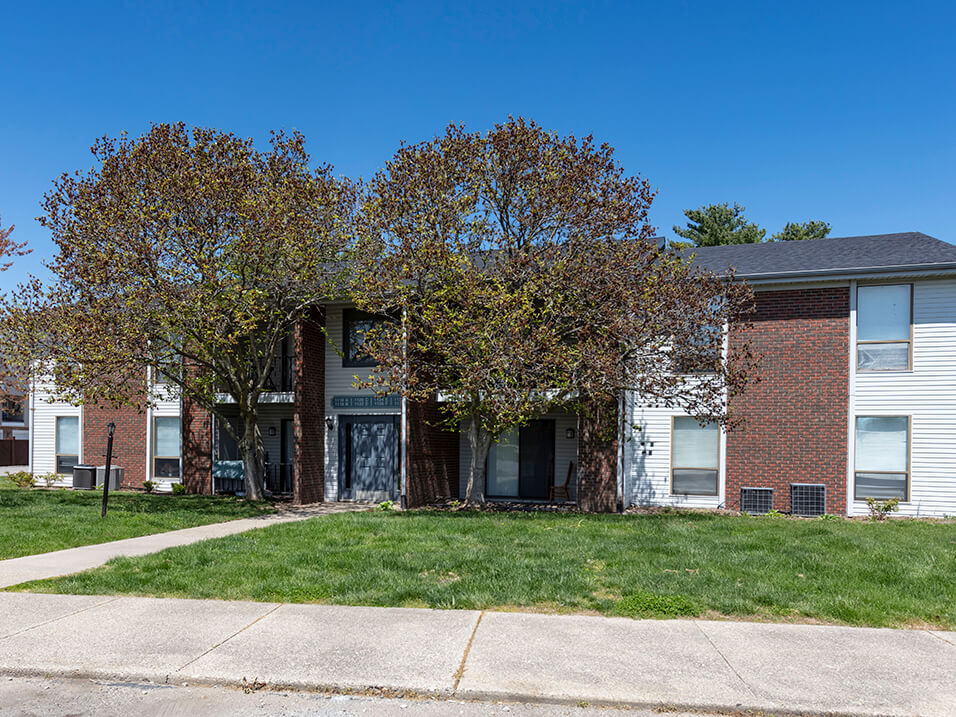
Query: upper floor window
column 884, row 327
column 356, row 325
column 11, row 411
column 695, row 456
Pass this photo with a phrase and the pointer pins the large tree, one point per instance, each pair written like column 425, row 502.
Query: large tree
column 521, row 276
column 802, row 231
column 718, row 224
column 721, row 224
column 9, row 248
column 11, row 375
column 185, row 252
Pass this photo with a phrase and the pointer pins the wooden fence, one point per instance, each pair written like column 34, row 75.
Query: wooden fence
column 14, row 452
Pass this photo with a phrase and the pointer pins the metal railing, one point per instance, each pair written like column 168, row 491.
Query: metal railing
column 279, row 478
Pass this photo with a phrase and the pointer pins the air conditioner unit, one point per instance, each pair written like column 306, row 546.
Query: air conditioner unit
column 808, row 499
column 756, row 501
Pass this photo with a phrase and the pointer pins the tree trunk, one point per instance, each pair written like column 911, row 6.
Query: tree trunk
column 480, row 442
column 252, row 458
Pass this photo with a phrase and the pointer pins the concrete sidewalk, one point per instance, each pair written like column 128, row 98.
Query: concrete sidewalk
column 689, row 664
column 73, row 560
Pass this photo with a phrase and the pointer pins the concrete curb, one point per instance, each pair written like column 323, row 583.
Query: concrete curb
column 441, row 695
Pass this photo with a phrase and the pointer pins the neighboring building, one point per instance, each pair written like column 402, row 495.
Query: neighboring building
column 15, row 418
column 857, row 398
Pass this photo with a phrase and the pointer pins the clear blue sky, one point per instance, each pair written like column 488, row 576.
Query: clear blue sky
column 841, row 111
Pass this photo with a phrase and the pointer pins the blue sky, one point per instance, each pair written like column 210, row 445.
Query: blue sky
column 844, row 112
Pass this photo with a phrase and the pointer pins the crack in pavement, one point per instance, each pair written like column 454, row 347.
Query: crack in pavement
column 60, row 617
column 220, row 644
column 726, row 661
column 464, row 658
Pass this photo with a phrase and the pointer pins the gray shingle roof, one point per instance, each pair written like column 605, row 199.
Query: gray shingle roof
column 837, row 255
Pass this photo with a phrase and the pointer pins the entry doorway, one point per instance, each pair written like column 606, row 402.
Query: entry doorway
column 368, row 458
column 521, row 463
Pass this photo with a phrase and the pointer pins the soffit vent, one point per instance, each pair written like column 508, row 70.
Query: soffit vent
column 756, row 501
column 808, row 499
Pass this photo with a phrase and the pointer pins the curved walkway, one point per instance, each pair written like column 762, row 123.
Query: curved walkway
column 74, row 560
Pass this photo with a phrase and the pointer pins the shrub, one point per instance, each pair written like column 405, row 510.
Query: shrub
column 386, row 506
column 49, row 479
column 647, row 604
column 149, row 486
column 22, row 479
column 179, row 489
column 879, row 509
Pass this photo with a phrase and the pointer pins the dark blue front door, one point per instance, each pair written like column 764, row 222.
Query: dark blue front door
column 368, row 458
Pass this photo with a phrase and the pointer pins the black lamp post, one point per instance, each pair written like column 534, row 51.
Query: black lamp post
column 106, row 476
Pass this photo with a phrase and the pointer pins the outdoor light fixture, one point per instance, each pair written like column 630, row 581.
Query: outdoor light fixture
column 330, row 422
column 272, row 430
column 569, row 434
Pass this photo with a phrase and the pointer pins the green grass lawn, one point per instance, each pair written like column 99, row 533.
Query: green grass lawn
column 895, row 573
column 37, row 521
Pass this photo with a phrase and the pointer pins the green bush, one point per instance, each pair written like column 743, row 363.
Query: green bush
column 22, row 479
column 386, row 506
column 179, row 489
column 647, row 604
column 48, row 478
column 149, row 486
column 879, row 509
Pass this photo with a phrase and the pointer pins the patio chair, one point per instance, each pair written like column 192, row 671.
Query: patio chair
column 562, row 491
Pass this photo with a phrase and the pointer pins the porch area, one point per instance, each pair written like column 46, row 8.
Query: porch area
column 276, row 427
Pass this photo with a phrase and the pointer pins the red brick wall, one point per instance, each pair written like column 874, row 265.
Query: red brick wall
column 309, row 416
column 795, row 427
column 432, row 456
column 597, row 459
column 129, row 440
column 197, row 448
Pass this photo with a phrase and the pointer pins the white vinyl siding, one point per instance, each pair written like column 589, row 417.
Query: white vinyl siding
column 927, row 394
column 647, row 461
column 339, row 382
column 43, row 439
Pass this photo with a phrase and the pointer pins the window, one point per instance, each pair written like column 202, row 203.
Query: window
column 695, row 453
column 11, row 411
column 166, row 447
column 356, row 325
column 884, row 322
column 882, row 457
column 67, row 443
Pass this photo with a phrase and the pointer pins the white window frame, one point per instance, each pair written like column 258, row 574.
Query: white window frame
column 715, row 469
column 909, row 341
column 56, row 443
column 909, row 455
column 156, row 457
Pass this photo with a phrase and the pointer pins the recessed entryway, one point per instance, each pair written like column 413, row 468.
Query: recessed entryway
column 368, row 458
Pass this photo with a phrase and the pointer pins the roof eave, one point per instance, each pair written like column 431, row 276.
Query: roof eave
column 848, row 272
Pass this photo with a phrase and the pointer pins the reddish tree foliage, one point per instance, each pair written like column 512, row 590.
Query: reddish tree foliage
column 188, row 253
column 526, row 278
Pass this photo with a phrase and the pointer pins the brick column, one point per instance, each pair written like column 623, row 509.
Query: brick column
column 197, row 448
column 432, row 455
column 309, row 410
column 795, row 418
column 597, row 458
column 129, row 440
